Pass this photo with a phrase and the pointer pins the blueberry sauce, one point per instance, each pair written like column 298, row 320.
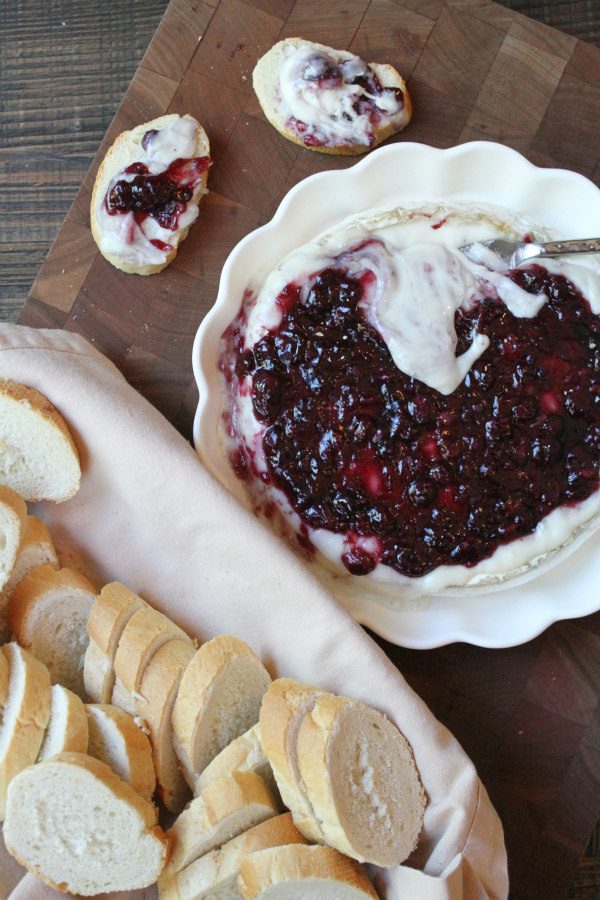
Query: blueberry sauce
column 164, row 197
column 325, row 73
column 423, row 479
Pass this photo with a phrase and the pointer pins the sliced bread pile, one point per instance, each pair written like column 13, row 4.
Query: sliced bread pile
column 192, row 702
column 75, row 785
column 106, row 703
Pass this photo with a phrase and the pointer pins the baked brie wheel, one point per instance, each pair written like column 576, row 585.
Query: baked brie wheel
column 412, row 417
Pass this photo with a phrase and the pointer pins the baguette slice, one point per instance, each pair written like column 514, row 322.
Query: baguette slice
column 112, row 610
column 75, row 825
column 67, row 729
column 25, row 715
column 302, row 873
column 48, row 613
column 227, row 807
column 154, row 706
column 13, row 519
column 145, row 633
column 283, row 709
column 244, row 754
column 265, row 80
column 38, row 457
column 116, row 740
column 126, row 151
column 362, row 781
column 215, row 874
column 219, row 699
column 36, row 549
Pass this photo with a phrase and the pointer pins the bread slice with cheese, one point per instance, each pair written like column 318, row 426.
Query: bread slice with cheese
column 215, row 874
column 154, row 706
column 67, row 728
column 282, row 712
column 48, row 613
column 39, row 458
column 115, row 739
column 360, row 774
column 36, row 549
column 227, row 807
column 110, row 613
column 75, row 825
column 140, row 244
column 336, row 125
column 244, row 754
column 24, row 717
column 218, row 700
column 13, row 518
column 298, row 872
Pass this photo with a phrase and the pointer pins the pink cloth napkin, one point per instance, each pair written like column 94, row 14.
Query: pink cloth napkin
column 148, row 514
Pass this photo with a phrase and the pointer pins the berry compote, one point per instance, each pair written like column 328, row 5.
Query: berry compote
column 422, row 479
column 164, row 197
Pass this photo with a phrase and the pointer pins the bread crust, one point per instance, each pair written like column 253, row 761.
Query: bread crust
column 264, row 79
column 194, row 698
column 125, row 151
column 277, row 865
column 141, row 777
column 120, row 789
column 41, row 405
column 4, row 678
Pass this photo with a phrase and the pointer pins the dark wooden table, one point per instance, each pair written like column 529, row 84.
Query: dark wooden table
column 63, row 69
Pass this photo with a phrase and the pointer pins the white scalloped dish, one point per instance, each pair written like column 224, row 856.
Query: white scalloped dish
column 507, row 612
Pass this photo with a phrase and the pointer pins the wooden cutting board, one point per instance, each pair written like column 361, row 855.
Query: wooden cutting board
column 529, row 716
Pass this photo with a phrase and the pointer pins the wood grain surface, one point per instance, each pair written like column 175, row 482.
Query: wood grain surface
column 528, row 716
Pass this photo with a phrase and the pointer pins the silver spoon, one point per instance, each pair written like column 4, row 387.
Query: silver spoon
column 513, row 253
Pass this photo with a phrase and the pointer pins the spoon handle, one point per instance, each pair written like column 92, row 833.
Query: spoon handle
column 557, row 248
